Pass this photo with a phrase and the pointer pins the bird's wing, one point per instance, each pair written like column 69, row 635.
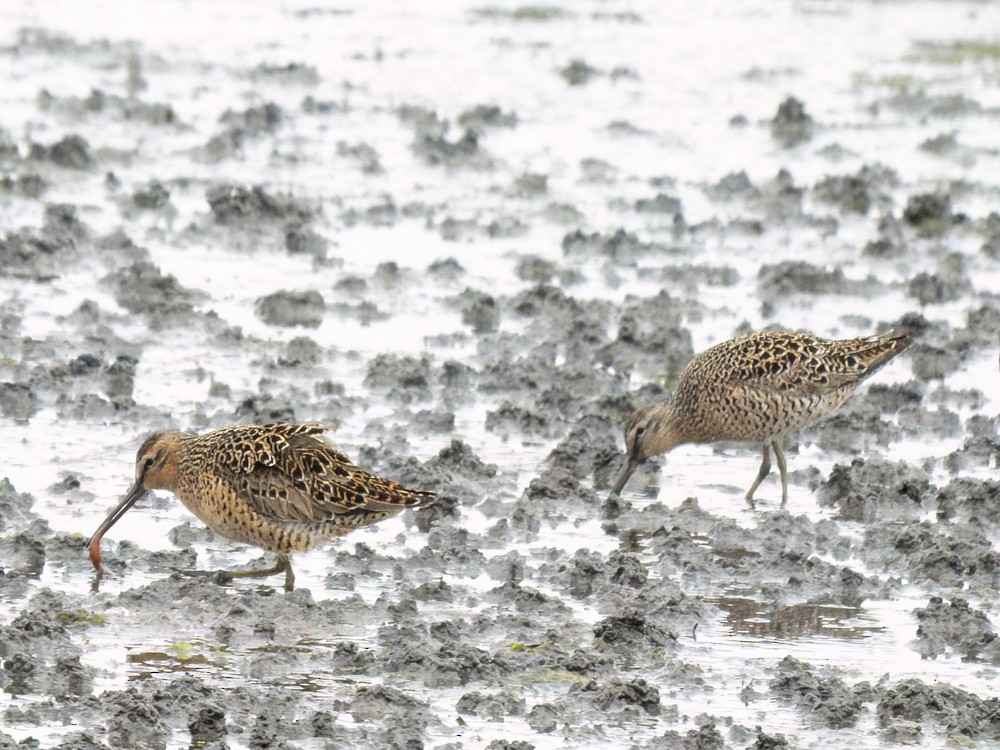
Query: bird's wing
column 292, row 475
column 804, row 367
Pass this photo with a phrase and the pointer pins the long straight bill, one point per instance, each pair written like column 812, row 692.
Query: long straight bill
column 94, row 545
column 630, row 466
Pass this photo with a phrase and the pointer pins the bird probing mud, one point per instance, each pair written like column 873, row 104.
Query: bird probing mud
column 758, row 388
column 275, row 486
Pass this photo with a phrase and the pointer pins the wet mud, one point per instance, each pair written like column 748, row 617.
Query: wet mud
column 475, row 292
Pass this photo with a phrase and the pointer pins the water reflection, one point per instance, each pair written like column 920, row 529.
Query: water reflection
column 144, row 665
column 747, row 616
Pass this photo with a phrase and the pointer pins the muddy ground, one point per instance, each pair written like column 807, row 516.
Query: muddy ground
column 472, row 239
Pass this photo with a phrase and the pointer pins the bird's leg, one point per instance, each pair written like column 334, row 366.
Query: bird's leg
column 765, row 469
column 782, row 469
column 289, row 575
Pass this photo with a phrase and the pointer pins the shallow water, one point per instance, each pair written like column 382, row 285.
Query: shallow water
column 662, row 123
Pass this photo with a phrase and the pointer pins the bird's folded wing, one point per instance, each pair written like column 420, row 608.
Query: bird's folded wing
column 800, row 378
column 304, row 479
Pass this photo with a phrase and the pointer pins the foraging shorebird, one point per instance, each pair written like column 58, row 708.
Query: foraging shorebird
column 756, row 387
column 275, row 486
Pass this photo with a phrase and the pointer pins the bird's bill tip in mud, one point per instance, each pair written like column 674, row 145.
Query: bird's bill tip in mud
column 94, row 545
column 630, row 466
column 94, row 548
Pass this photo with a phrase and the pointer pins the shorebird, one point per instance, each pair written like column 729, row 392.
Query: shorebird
column 756, row 387
column 275, row 486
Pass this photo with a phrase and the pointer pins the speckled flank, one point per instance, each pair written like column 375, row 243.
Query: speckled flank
column 756, row 387
column 278, row 487
column 275, row 486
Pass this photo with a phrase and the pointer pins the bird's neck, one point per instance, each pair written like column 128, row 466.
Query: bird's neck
column 668, row 431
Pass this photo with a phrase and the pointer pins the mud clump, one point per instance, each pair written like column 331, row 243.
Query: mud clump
column 651, row 338
column 928, row 213
column 364, row 155
column 705, row 737
column 508, row 418
column 151, row 197
column 235, row 205
column 578, row 72
column 259, row 120
column 663, row 204
column 380, row 701
column 791, row 125
column 732, row 186
column 208, row 726
column 976, row 451
column 853, row 429
column 439, row 421
column 930, row 362
column 584, row 453
column 479, row 310
column 431, row 144
column 493, row 706
column 618, row 693
column 39, row 655
column 483, row 116
column 288, row 309
column 970, row 501
column 460, row 475
column 17, row 401
column 119, row 378
column 38, row 257
column 890, row 242
column 15, row 507
column 873, row 490
column 956, row 626
column 143, row 289
column 620, row 246
column 76, row 384
column 848, row 192
column 798, row 277
column 301, row 240
column 135, row 720
column 935, row 288
column 826, row 701
column 72, row 152
column 633, row 631
column 959, row 712
column 301, row 351
column 405, row 379
column 858, row 193
column 946, row 555
column 23, row 553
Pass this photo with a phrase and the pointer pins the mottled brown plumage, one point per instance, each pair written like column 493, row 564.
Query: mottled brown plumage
column 756, row 387
column 275, row 486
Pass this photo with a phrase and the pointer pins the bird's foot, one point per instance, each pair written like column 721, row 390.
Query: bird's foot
column 222, row 577
column 219, row 577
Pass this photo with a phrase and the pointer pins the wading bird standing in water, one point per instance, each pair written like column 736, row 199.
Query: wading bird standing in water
column 275, row 486
column 756, row 388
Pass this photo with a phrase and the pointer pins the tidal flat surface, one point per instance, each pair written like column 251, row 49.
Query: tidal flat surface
column 471, row 238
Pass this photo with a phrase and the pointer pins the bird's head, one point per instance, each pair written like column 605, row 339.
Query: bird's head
column 156, row 464
column 650, row 431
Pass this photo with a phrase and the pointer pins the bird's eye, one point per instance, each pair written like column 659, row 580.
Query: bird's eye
column 639, row 431
column 147, row 463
